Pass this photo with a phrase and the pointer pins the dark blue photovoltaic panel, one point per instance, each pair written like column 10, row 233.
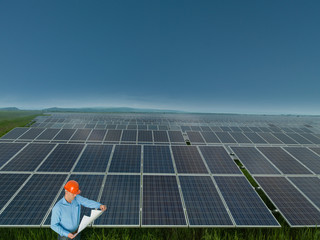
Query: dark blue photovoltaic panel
column 97, row 135
column 307, row 157
column 157, row 159
column 62, row 158
column 126, row 158
column 121, row 194
column 235, row 129
column 176, row 136
column 9, row 184
column 188, row 159
column 270, row 138
column 284, row 138
column 129, row 136
column 81, row 135
column 111, row 126
column 15, row 133
column 195, row 137
column 316, row 150
column 254, row 137
column 33, row 201
column 32, row 133
column 29, row 158
column 311, row 137
column 310, row 186
column 240, row 137
column 144, row 136
column 113, row 136
column 225, row 137
column 283, row 161
column 65, row 134
column 203, row 203
column 254, row 161
column 218, row 160
column 298, row 138
column 297, row 210
column 244, row 203
column 210, row 137
column 90, row 186
column 160, row 136
column 94, row 158
column 205, row 128
column 48, row 134
column 161, row 202
column 8, row 150
column 185, row 128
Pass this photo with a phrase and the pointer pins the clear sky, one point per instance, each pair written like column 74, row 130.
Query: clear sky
column 206, row 56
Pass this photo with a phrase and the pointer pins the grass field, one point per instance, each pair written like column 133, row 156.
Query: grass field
column 12, row 119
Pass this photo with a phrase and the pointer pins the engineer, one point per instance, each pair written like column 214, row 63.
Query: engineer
column 65, row 218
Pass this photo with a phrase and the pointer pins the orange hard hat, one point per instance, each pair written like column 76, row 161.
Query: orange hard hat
column 72, row 186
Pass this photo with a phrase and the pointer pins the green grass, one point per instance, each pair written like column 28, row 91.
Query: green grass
column 12, row 119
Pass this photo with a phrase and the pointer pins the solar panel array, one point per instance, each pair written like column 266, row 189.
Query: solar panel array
column 142, row 167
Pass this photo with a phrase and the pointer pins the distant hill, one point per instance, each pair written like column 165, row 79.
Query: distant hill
column 10, row 109
column 120, row 110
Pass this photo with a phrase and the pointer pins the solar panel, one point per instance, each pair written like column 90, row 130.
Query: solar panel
column 161, row 202
column 235, row 129
column 270, row 138
column 316, row 150
column 203, row 203
column 15, row 133
column 205, row 128
column 157, row 159
column 254, row 137
column 307, row 157
column 245, row 129
column 160, row 136
column 188, row 159
column 310, row 186
column 94, row 158
column 284, row 138
column 81, row 135
column 32, row 202
column 64, row 134
column 29, row 158
column 144, row 136
column 32, row 133
column 283, row 161
column 9, row 184
column 195, row 128
column 90, row 186
column 129, row 136
column 195, row 137
column 265, row 129
column 225, row 137
column 298, row 138
column 226, row 129
column 311, row 137
column 97, row 135
column 90, row 125
column 126, row 158
column 210, row 137
column 48, row 134
column 62, row 158
column 254, row 161
column 240, row 137
column 8, row 150
column 113, row 136
column 111, row 126
column 176, row 136
column 244, row 203
column 161, row 127
column 296, row 209
column 121, row 127
column 121, row 194
column 216, row 129
column 218, row 160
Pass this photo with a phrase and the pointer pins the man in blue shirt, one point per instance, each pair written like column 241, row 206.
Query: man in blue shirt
column 65, row 216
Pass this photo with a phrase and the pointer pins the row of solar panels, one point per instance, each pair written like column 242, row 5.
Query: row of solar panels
column 47, row 157
column 160, row 200
column 157, row 136
column 122, row 126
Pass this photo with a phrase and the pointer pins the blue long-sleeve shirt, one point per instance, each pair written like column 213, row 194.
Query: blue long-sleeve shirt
column 65, row 216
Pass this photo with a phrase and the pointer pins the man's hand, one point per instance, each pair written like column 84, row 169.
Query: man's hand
column 103, row 207
column 70, row 235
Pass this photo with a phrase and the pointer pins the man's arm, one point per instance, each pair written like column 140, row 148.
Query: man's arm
column 90, row 203
column 55, row 223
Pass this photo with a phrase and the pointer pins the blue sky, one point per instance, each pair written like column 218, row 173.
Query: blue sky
column 206, row 56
